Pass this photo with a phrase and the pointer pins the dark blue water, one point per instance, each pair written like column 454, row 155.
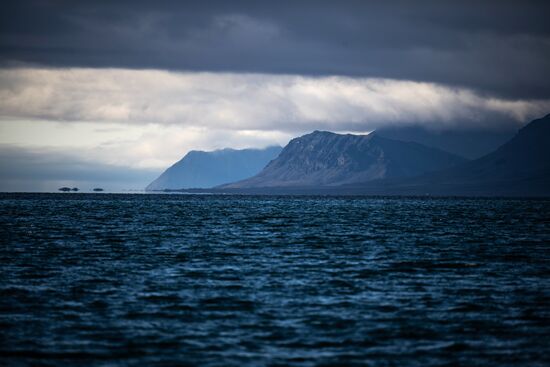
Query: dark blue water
column 149, row 280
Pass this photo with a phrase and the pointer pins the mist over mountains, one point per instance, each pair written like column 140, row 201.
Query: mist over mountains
column 467, row 143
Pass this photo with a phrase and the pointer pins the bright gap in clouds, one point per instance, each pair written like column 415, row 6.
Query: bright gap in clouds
column 149, row 146
column 244, row 101
column 148, row 119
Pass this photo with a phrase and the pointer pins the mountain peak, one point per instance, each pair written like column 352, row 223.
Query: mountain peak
column 331, row 133
column 321, row 132
column 538, row 125
column 317, row 134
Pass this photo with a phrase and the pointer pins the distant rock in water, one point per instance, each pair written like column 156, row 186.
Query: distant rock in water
column 329, row 159
column 98, row 189
column 68, row 189
column 208, row 169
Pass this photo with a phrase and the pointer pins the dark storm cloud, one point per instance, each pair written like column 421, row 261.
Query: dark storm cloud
column 500, row 47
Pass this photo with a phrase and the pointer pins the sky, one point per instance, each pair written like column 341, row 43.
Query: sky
column 109, row 94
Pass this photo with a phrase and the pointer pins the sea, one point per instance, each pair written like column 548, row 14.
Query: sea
column 233, row 280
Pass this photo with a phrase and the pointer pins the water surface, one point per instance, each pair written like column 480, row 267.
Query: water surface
column 100, row 279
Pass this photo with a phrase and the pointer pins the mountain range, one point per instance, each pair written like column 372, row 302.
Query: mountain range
column 328, row 163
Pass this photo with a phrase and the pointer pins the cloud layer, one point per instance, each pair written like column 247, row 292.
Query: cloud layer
column 240, row 102
column 496, row 46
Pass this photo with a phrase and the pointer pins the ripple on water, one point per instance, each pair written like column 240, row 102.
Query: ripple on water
column 237, row 280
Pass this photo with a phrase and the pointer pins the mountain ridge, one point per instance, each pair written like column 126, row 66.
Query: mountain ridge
column 323, row 158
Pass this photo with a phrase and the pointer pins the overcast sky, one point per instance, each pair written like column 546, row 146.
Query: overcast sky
column 105, row 93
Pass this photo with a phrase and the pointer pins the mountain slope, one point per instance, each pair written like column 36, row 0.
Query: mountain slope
column 525, row 154
column 520, row 167
column 329, row 159
column 207, row 169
